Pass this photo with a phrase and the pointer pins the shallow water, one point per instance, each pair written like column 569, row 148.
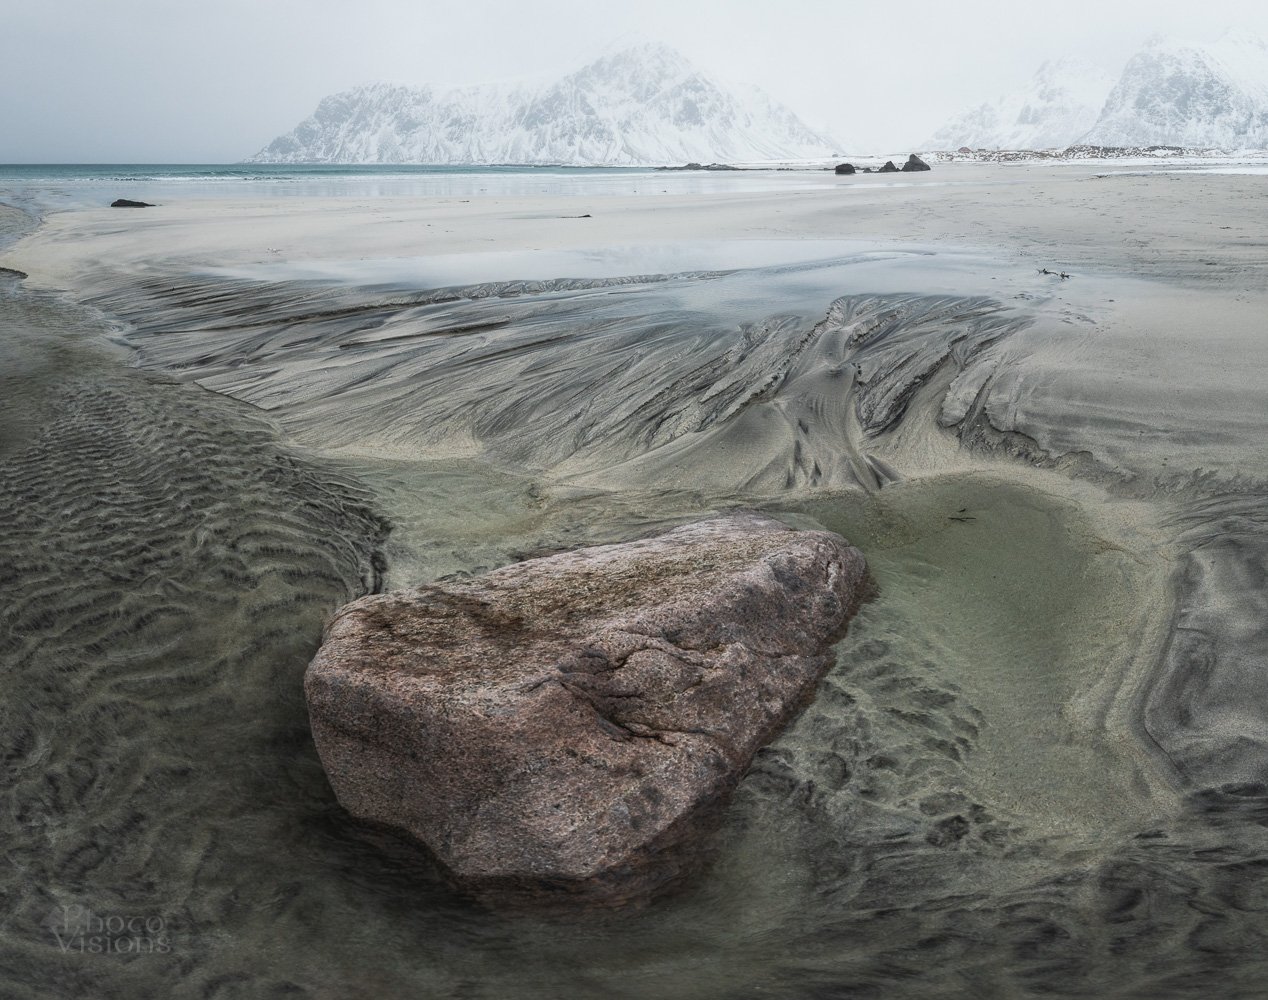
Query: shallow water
column 1002, row 788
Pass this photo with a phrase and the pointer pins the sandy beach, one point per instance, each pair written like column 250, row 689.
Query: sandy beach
column 1168, row 270
column 1035, row 395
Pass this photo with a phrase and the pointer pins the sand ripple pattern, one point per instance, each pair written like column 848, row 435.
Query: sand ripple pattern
column 165, row 568
column 1209, row 710
column 652, row 378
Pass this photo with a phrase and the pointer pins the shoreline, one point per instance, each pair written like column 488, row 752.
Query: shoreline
column 1042, row 212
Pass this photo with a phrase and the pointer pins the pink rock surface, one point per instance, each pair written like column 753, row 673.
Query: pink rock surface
column 572, row 724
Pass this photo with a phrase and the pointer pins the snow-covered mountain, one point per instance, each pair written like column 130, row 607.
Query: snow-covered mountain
column 642, row 105
column 1053, row 111
column 1212, row 95
column 1190, row 95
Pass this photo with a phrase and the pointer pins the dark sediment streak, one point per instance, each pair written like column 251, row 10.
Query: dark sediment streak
column 1209, row 709
column 672, row 380
column 573, row 376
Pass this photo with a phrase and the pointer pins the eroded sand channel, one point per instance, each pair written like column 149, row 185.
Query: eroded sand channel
column 979, row 794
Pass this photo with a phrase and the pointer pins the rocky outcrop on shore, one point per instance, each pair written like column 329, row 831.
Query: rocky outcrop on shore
column 914, row 162
column 569, row 726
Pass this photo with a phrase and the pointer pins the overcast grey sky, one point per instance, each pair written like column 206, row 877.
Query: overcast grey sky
column 178, row 81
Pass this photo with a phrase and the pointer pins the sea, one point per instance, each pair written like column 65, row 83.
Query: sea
column 45, row 186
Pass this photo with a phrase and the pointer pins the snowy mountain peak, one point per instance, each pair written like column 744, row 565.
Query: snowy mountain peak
column 641, row 104
column 1242, row 37
column 645, row 58
column 1175, row 93
column 1169, row 93
column 1060, row 103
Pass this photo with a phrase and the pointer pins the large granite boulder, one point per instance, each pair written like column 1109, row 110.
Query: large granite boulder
column 570, row 725
column 914, row 163
column 888, row 167
column 129, row 203
column 844, row 168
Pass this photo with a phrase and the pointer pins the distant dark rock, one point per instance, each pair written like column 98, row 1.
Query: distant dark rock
column 12, row 272
column 914, row 162
column 569, row 727
column 888, row 168
column 128, row 203
column 845, row 168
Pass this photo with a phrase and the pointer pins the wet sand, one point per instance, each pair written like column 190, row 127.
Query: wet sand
column 1039, row 761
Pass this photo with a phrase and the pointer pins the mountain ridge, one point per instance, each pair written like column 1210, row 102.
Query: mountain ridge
column 1213, row 94
column 1055, row 109
column 644, row 105
column 1169, row 93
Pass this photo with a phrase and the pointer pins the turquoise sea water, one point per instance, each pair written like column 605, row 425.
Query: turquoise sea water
column 38, row 186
